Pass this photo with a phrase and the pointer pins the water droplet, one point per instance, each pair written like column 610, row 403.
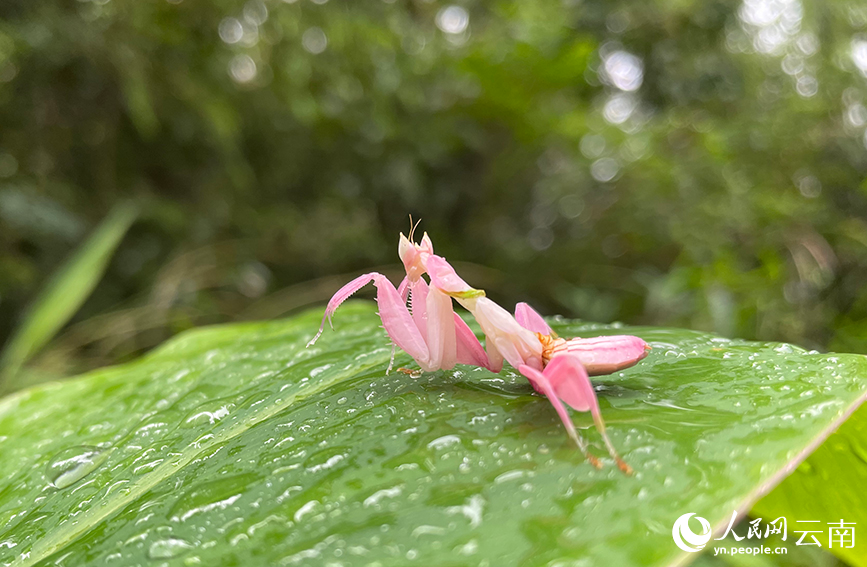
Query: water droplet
column 374, row 498
column 168, row 548
column 71, row 465
column 210, row 413
column 212, row 495
column 443, row 442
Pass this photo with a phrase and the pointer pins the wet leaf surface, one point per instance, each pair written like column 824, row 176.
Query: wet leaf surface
column 235, row 445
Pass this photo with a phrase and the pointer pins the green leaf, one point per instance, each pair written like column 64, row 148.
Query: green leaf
column 813, row 491
column 235, row 445
column 67, row 290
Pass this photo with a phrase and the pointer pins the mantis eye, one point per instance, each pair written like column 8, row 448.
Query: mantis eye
column 426, row 244
column 405, row 249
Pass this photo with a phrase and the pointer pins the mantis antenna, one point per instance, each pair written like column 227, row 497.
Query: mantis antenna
column 412, row 227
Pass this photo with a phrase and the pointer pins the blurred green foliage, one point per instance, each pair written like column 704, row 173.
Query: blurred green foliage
column 697, row 163
column 66, row 292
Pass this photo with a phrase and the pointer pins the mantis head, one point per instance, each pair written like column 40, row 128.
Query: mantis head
column 414, row 255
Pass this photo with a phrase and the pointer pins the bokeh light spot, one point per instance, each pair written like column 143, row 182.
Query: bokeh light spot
column 231, row 31
column 314, row 40
column 453, row 20
column 624, row 70
column 242, row 68
column 604, row 169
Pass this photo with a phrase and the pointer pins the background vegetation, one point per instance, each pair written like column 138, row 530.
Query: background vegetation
column 690, row 163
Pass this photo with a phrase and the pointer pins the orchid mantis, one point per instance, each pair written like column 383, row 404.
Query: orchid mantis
column 420, row 320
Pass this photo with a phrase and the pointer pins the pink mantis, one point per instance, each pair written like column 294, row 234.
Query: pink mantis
column 438, row 338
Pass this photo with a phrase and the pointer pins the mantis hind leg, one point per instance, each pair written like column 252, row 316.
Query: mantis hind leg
column 570, row 382
column 541, row 383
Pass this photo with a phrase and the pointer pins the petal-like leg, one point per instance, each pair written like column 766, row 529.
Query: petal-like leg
column 604, row 355
column 403, row 291
column 433, row 314
column 508, row 349
column 342, row 295
column 418, row 305
column 495, row 357
column 469, row 349
column 440, row 330
column 541, row 384
column 398, row 322
column 570, row 382
column 530, row 319
column 395, row 316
